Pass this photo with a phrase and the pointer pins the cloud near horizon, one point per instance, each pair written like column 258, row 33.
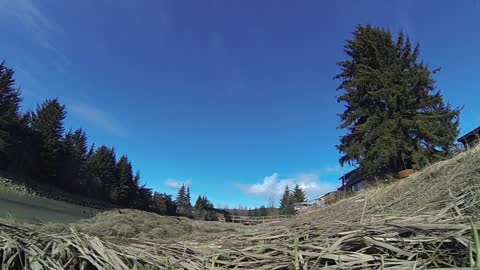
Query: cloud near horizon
column 274, row 185
column 98, row 118
column 175, row 184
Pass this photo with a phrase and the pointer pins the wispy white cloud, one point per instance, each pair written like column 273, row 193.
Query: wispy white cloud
column 98, row 118
column 42, row 28
column 274, row 185
column 176, row 184
column 25, row 74
column 29, row 14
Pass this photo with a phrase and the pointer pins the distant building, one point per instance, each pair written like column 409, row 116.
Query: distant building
column 300, row 207
column 327, row 199
column 353, row 181
column 471, row 138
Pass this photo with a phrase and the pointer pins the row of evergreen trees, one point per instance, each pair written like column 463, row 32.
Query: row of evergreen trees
column 35, row 145
column 261, row 211
column 289, row 198
column 203, row 208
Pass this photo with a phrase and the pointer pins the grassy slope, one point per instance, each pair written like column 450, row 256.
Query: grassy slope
column 35, row 209
column 23, row 204
column 419, row 222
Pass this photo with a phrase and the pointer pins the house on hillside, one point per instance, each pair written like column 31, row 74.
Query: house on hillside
column 353, row 181
column 303, row 206
column 471, row 138
column 326, row 199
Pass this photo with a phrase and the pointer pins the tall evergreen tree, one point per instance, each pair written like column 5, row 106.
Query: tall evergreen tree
column 286, row 203
column 164, row 204
column 262, row 211
column 181, row 196
column 188, row 199
column 74, row 161
column 9, row 110
column 123, row 189
column 299, row 195
column 204, row 209
column 102, row 172
column 395, row 117
column 48, row 123
column 23, row 154
column 182, row 201
column 136, row 179
column 199, row 203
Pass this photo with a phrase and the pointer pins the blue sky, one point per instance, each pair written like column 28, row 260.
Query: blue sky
column 235, row 98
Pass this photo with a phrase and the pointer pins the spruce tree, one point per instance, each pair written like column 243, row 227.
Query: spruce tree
column 394, row 116
column 47, row 122
column 262, row 211
column 182, row 201
column 136, row 179
column 102, row 173
column 188, row 199
column 286, row 203
column 9, row 108
column 74, row 161
column 164, row 204
column 199, row 203
column 298, row 195
column 181, row 196
column 123, row 189
column 23, row 154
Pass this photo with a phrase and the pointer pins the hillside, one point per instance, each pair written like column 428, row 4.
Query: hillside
column 419, row 222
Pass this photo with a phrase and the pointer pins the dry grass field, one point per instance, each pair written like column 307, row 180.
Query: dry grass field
column 420, row 222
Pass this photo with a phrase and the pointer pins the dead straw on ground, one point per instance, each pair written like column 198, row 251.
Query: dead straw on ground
column 420, row 222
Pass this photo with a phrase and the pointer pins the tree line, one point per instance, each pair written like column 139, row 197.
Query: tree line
column 35, row 145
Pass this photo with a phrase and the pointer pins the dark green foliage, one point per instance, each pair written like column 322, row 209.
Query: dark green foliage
column 204, row 209
column 143, row 199
column 298, row 195
column 136, row 179
column 184, row 207
column 188, row 199
column 262, row 211
column 101, row 173
column 9, row 106
column 72, row 174
column 32, row 145
column 47, row 122
column 203, row 203
column 394, row 115
column 163, row 204
column 122, row 189
column 23, row 153
column 286, row 203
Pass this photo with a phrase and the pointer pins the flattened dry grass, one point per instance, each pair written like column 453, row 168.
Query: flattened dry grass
column 423, row 221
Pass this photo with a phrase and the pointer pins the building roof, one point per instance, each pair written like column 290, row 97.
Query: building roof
column 326, row 194
column 353, row 177
column 302, row 204
column 472, row 134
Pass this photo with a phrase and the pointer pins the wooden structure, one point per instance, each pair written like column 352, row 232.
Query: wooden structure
column 302, row 207
column 471, row 138
column 327, row 199
column 246, row 220
column 353, row 181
